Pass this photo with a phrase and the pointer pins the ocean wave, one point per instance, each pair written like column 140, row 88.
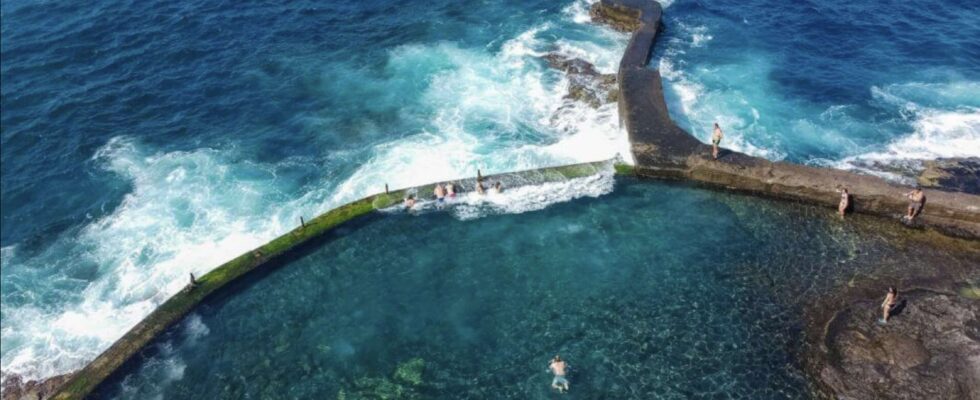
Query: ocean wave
column 944, row 119
column 190, row 211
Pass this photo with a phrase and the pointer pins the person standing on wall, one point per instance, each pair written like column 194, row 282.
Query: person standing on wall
column 715, row 140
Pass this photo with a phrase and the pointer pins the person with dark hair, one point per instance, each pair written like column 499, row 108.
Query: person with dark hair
column 439, row 192
column 887, row 306
column 479, row 187
column 409, row 202
column 497, row 188
column 917, row 200
column 557, row 366
column 845, row 201
column 716, row 136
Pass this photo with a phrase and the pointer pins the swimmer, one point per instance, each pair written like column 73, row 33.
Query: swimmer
column 479, row 187
column 917, row 200
column 497, row 188
column 887, row 306
column 715, row 140
column 557, row 367
column 440, row 192
column 409, row 202
column 451, row 190
column 845, row 201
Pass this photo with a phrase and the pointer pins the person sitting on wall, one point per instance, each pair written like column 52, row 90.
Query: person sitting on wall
column 715, row 140
column 845, row 202
column 917, row 200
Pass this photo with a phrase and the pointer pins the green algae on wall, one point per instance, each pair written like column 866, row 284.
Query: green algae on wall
column 179, row 305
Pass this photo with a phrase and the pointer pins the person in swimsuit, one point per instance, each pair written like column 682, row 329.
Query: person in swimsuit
column 440, row 192
column 479, row 187
column 917, row 200
column 557, row 367
column 715, row 140
column 498, row 188
column 451, row 190
column 845, row 201
column 887, row 306
column 409, row 202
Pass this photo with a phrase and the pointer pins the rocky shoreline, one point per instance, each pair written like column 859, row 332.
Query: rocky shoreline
column 931, row 349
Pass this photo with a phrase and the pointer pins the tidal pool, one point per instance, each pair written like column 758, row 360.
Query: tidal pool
column 654, row 290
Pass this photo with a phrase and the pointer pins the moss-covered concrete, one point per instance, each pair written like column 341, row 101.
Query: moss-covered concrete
column 180, row 304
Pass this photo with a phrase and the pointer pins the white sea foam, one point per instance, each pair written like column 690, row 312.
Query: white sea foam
column 517, row 198
column 189, row 211
column 509, row 91
column 532, row 197
column 948, row 127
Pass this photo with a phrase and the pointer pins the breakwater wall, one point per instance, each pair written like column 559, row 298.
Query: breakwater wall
column 664, row 150
column 86, row 380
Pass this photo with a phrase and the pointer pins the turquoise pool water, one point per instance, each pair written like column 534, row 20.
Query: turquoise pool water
column 652, row 290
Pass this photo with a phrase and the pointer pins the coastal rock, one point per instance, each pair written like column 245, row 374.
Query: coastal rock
column 14, row 387
column 620, row 18
column 929, row 349
column 960, row 174
column 585, row 83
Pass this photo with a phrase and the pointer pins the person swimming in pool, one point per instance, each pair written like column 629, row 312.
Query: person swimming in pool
column 715, row 140
column 450, row 190
column 440, row 192
column 479, row 187
column 497, row 188
column 887, row 306
column 557, row 367
column 409, row 202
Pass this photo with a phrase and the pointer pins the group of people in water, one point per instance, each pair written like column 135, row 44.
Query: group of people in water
column 448, row 191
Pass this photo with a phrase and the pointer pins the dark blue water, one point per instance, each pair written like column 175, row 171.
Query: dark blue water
column 641, row 305
column 142, row 140
column 850, row 84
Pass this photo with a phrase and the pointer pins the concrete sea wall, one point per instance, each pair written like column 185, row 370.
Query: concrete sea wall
column 663, row 150
column 84, row 381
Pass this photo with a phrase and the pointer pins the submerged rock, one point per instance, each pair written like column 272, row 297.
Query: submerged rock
column 960, row 174
column 929, row 349
column 410, row 371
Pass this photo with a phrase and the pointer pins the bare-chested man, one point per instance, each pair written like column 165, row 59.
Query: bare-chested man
column 715, row 140
column 440, row 192
column 558, row 368
column 917, row 199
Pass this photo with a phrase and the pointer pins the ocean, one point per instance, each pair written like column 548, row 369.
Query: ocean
column 144, row 140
